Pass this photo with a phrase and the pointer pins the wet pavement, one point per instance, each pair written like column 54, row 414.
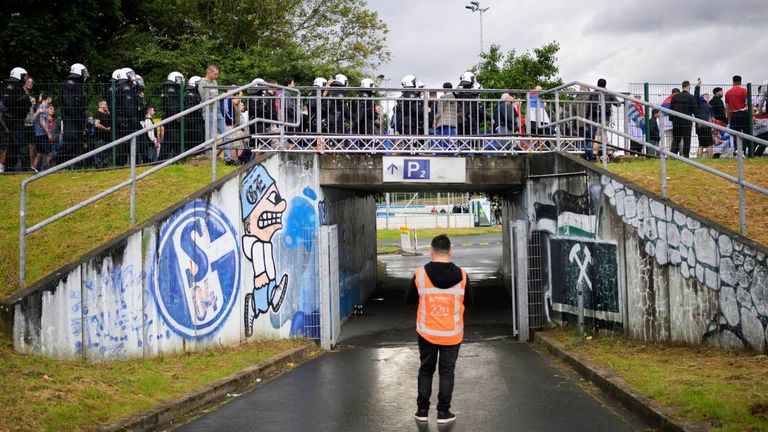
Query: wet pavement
column 369, row 383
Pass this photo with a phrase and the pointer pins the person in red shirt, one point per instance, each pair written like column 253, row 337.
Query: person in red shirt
column 736, row 102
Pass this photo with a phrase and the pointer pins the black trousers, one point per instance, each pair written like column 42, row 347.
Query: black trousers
column 18, row 151
column 444, row 356
column 681, row 133
column 73, row 142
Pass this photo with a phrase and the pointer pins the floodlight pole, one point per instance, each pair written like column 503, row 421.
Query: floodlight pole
column 474, row 6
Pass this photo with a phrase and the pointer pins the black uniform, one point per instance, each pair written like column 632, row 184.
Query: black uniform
column 409, row 114
column 171, row 102
column 718, row 110
column 365, row 117
column 684, row 103
column 470, row 112
column 702, row 112
column 338, row 112
column 17, row 105
column 194, row 126
column 127, row 115
column 73, row 103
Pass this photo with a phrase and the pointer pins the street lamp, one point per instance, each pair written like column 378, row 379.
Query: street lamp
column 474, row 6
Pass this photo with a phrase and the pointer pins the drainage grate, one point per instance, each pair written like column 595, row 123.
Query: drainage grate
column 536, row 312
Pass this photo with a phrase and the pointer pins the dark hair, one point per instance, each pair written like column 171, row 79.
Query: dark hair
column 149, row 107
column 675, row 90
column 441, row 243
column 655, row 111
column 737, row 79
column 44, row 96
column 717, row 89
column 447, row 85
column 601, row 83
column 686, row 83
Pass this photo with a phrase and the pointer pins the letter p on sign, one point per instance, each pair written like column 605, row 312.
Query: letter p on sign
column 416, row 169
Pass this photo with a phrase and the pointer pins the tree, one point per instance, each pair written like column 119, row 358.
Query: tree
column 246, row 38
column 519, row 71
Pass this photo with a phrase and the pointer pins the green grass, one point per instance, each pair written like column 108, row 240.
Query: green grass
column 39, row 393
column 67, row 239
column 726, row 389
column 383, row 250
column 706, row 194
column 394, row 234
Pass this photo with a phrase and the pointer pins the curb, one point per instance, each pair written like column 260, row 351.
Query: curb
column 610, row 383
column 165, row 414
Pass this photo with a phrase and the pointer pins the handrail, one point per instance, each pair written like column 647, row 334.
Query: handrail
column 24, row 231
column 739, row 180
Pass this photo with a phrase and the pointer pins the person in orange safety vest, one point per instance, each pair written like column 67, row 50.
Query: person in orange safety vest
column 441, row 289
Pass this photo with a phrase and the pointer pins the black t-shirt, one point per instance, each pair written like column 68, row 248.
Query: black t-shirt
column 105, row 120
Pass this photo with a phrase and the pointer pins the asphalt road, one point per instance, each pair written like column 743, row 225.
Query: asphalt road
column 369, row 382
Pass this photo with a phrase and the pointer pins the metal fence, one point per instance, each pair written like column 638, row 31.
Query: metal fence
column 213, row 135
column 604, row 128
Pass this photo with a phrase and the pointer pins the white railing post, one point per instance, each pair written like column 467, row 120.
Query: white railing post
column 603, row 134
column 23, row 236
column 557, row 120
column 663, row 160
column 742, row 199
column 132, row 211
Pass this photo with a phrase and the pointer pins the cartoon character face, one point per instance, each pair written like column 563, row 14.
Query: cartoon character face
column 267, row 216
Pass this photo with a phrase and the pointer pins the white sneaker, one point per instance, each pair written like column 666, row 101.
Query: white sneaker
column 2, row 168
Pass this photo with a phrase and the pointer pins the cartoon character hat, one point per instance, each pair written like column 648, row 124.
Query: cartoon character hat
column 253, row 188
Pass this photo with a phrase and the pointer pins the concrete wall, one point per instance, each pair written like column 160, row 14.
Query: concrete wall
column 234, row 261
column 650, row 268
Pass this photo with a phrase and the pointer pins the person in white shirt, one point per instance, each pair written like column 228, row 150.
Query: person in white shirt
column 150, row 147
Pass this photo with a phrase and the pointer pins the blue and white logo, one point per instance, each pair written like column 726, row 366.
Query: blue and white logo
column 197, row 278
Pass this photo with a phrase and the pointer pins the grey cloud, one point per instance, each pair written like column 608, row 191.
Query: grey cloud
column 653, row 16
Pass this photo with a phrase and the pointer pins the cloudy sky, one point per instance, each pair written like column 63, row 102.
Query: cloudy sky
column 663, row 41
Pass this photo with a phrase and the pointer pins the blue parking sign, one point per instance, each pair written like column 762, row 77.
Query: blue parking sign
column 416, row 169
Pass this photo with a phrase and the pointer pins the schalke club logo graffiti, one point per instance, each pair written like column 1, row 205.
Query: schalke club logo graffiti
column 197, row 278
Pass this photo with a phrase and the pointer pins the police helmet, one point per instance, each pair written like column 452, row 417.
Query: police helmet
column 176, row 77
column 408, row 81
column 320, row 82
column 367, row 83
column 193, row 81
column 419, row 84
column 138, row 80
column 340, row 80
column 80, row 70
column 19, row 73
column 467, row 79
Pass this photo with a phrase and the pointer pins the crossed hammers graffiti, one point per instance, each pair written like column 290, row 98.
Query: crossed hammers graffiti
column 574, row 258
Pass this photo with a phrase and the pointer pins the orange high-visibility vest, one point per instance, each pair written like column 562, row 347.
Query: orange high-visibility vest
column 440, row 317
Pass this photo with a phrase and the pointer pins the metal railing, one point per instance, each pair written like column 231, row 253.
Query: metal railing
column 24, row 231
column 661, row 148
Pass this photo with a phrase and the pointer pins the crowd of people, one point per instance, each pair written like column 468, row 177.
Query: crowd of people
column 724, row 108
column 34, row 134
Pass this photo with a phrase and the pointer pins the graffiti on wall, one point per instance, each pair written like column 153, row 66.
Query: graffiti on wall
column 300, row 236
column 197, row 277
column 262, row 209
column 704, row 257
column 566, row 214
column 587, row 266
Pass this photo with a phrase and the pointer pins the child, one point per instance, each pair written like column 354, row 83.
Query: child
column 149, row 147
column 43, row 132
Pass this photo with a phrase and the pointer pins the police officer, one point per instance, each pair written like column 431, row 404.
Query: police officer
column 409, row 110
column 311, row 111
column 338, row 111
column 17, row 104
column 127, row 110
column 193, row 123
column 73, row 104
column 469, row 104
column 260, row 106
column 171, row 98
column 367, row 120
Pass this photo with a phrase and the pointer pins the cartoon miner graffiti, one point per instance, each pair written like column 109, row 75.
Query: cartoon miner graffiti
column 262, row 211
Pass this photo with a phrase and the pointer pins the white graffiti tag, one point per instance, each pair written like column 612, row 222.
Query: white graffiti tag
column 574, row 258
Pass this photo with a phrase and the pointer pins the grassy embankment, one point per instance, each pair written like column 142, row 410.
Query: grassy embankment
column 726, row 389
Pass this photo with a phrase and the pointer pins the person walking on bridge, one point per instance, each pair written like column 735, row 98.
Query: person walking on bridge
column 441, row 289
